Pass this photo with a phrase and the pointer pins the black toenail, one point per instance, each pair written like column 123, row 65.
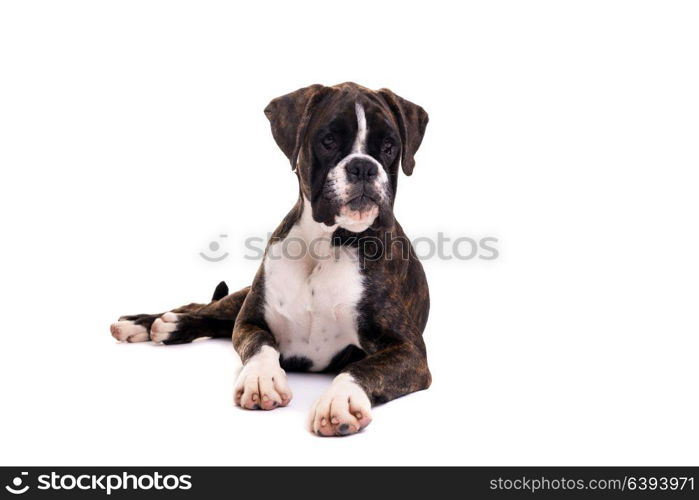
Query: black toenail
column 256, row 407
column 343, row 429
column 274, row 403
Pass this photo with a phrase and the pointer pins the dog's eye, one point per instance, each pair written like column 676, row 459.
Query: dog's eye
column 388, row 147
column 328, row 141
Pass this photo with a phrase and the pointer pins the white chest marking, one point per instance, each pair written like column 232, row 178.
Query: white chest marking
column 311, row 293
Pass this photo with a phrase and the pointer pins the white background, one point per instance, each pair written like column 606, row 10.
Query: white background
column 132, row 135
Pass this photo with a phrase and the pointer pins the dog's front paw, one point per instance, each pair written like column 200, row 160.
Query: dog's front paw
column 344, row 409
column 262, row 384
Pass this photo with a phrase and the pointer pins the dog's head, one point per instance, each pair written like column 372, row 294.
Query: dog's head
column 345, row 144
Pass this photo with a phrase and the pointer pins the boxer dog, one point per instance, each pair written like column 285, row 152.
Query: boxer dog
column 340, row 289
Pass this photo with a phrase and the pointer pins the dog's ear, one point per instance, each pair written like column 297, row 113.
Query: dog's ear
column 289, row 116
column 412, row 121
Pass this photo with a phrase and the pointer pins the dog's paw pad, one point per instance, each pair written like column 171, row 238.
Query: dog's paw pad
column 128, row 331
column 163, row 327
column 344, row 409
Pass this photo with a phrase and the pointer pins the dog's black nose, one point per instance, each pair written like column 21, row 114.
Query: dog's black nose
column 360, row 169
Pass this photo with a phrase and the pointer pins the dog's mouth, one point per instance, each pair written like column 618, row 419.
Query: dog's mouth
column 361, row 210
column 362, row 203
column 355, row 206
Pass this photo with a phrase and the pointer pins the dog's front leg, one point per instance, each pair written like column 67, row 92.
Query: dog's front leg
column 396, row 370
column 261, row 383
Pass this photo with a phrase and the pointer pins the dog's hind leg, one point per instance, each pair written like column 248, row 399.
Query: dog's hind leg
column 184, row 324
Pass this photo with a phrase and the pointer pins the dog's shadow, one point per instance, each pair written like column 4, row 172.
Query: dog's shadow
column 306, row 387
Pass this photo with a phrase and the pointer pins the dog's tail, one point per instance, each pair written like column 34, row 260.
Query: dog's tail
column 220, row 292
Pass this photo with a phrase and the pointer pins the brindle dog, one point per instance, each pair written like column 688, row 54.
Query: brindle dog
column 340, row 288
